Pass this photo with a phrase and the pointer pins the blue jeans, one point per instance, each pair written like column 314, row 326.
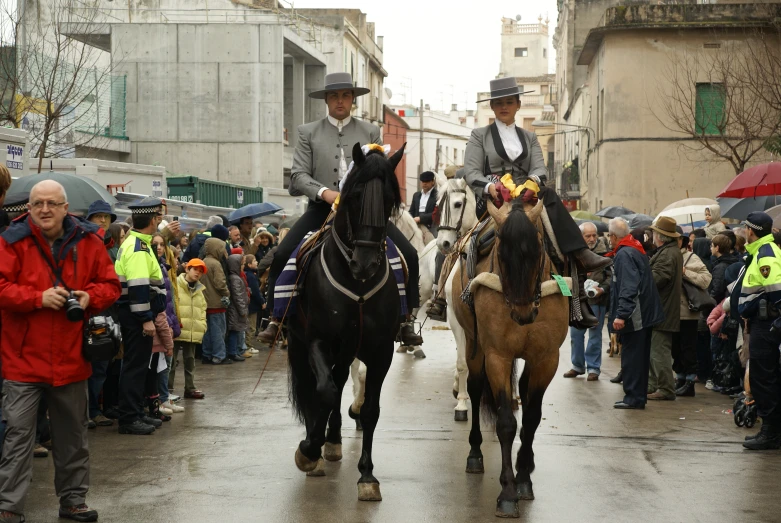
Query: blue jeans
column 234, row 342
column 243, row 342
column 162, row 381
column 95, row 385
column 591, row 357
column 213, row 344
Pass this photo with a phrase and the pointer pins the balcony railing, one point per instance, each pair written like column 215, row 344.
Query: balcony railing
column 523, row 29
column 533, row 100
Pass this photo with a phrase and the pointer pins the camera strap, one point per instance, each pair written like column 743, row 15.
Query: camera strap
column 56, row 275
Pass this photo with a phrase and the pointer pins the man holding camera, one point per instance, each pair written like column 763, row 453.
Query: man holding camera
column 143, row 297
column 54, row 273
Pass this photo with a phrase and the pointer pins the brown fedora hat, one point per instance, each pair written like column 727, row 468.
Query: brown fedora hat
column 666, row 225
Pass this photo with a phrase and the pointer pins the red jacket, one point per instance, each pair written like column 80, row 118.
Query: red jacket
column 40, row 345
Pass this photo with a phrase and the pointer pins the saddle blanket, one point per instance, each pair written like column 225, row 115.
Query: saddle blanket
column 287, row 290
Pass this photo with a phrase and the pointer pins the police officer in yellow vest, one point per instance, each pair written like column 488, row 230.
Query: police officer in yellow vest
column 760, row 304
column 142, row 298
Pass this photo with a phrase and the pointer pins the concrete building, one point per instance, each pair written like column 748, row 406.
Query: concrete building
column 524, row 48
column 445, row 136
column 215, row 88
column 350, row 45
column 394, row 133
column 613, row 144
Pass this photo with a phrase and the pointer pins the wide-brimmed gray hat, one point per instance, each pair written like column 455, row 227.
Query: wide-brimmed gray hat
column 337, row 82
column 502, row 87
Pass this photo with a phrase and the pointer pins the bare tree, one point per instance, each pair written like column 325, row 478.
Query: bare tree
column 726, row 99
column 54, row 84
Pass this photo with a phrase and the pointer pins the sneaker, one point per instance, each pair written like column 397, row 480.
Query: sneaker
column 235, row 357
column 247, row 354
column 11, row 517
column 194, row 394
column 137, row 428
column 215, row 361
column 111, row 413
column 254, row 351
column 102, row 421
column 156, row 423
column 171, row 407
column 91, row 424
column 173, row 398
column 79, row 513
column 709, row 384
column 165, row 411
column 39, row 452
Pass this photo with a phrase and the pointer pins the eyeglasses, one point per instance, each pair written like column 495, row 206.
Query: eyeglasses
column 52, row 205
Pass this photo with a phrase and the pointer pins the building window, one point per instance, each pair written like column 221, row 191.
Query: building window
column 709, row 112
column 521, row 52
column 544, row 53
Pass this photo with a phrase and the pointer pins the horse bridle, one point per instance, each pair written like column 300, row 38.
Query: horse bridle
column 347, row 252
column 446, row 211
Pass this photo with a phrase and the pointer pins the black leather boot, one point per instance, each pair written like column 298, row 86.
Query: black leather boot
column 270, row 334
column 618, row 379
column 437, row 310
column 591, row 261
column 408, row 336
column 686, row 390
column 767, row 439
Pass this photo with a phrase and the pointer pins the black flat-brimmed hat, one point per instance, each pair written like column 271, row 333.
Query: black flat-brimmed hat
column 338, row 82
column 149, row 205
column 502, row 87
column 17, row 202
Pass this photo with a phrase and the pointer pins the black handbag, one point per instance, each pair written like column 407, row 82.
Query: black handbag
column 698, row 299
column 102, row 339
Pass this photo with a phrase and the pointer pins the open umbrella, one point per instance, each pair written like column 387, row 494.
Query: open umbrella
column 760, row 180
column 739, row 208
column 81, row 191
column 253, row 210
column 584, row 215
column 775, row 213
column 600, row 225
column 636, row 220
column 688, row 211
column 613, row 212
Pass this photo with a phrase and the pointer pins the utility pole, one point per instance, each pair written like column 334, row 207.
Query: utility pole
column 436, row 162
column 420, row 143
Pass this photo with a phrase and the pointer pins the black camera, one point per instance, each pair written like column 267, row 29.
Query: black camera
column 73, row 309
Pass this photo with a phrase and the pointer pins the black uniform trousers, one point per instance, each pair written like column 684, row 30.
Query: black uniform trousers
column 312, row 220
column 135, row 366
column 635, row 363
column 765, row 372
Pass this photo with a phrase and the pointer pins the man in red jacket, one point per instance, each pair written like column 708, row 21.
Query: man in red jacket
column 47, row 256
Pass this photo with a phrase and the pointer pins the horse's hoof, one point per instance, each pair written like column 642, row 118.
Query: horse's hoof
column 401, row 349
column 475, row 466
column 319, row 469
column 369, row 492
column 356, row 417
column 303, row 463
column 461, row 415
column 332, row 451
column 418, row 353
column 524, row 491
column 507, row 509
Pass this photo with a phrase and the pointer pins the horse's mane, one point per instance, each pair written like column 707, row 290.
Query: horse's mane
column 376, row 165
column 519, row 256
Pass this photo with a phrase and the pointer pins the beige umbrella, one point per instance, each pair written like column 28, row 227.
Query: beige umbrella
column 688, row 210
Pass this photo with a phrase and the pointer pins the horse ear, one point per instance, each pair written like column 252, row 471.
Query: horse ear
column 397, row 156
column 498, row 214
column 358, row 156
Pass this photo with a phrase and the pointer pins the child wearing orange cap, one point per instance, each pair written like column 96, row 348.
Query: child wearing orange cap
column 192, row 315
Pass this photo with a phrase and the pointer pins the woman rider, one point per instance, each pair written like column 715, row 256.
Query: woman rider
column 502, row 148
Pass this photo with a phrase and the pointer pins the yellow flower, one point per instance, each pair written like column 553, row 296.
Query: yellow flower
column 335, row 205
column 515, row 190
column 376, row 147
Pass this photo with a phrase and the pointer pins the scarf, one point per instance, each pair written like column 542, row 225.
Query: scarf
column 627, row 241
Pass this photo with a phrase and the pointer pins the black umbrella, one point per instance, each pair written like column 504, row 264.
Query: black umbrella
column 253, row 210
column 638, row 220
column 601, row 226
column 613, row 212
column 81, row 191
column 739, row 208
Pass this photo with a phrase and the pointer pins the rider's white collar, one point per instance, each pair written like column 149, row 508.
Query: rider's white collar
column 336, row 122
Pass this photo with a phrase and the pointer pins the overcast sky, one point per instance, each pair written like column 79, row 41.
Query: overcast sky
column 447, row 51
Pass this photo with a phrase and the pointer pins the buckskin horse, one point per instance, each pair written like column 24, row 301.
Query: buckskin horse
column 349, row 308
column 514, row 317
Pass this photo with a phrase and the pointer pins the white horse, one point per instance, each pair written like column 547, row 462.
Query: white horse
column 457, row 218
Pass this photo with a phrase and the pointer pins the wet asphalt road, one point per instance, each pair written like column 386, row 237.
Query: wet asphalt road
column 230, row 457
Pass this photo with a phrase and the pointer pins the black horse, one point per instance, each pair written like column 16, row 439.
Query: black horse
column 349, row 308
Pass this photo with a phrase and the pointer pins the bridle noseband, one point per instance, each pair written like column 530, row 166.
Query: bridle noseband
column 446, row 211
